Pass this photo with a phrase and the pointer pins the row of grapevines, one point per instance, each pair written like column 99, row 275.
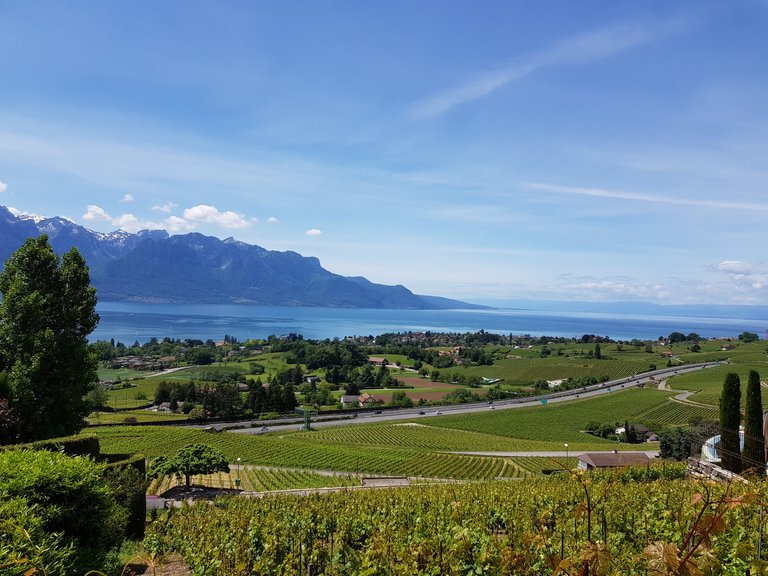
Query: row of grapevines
column 256, row 480
column 672, row 413
column 613, row 526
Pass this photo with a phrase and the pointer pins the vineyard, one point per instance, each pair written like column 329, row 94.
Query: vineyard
column 295, row 452
column 562, row 422
column 557, row 525
column 524, row 371
column 674, row 413
column 253, row 479
column 136, row 415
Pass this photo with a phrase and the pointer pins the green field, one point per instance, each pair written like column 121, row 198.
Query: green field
column 295, row 452
column 139, row 415
column 422, row 447
column 426, row 446
column 560, row 422
column 709, row 383
column 515, row 368
column 119, row 373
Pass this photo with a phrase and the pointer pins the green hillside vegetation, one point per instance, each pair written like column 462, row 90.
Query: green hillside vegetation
column 567, row 525
column 516, row 368
column 416, row 448
column 708, row 384
column 560, row 422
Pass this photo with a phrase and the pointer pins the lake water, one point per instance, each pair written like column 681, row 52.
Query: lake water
column 128, row 322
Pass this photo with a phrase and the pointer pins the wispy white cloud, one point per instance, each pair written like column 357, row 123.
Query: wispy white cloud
column 131, row 223
column 580, row 49
column 313, row 232
column 176, row 225
column 3, row 186
column 652, row 198
column 744, row 275
column 272, row 220
column 166, row 207
column 610, row 288
column 96, row 214
column 127, row 222
column 127, row 198
column 211, row 215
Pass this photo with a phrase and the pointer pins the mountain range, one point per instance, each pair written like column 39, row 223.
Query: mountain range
column 153, row 266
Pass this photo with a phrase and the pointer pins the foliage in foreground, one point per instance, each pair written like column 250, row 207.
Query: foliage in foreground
column 57, row 515
column 554, row 526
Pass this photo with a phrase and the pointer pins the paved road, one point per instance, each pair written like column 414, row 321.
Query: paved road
column 552, row 453
column 420, row 413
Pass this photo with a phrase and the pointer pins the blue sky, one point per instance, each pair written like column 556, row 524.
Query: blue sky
column 555, row 150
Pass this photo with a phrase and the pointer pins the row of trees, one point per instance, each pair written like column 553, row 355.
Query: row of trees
column 731, row 455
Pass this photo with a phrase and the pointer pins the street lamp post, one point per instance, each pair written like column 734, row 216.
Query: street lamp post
column 237, row 481
column 566, row 449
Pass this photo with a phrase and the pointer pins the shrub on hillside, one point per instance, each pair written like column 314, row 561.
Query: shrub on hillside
column 25, row 543
column 70, row 507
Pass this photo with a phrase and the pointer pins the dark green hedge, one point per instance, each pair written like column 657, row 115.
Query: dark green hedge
column 126, row 473
column 69, row 445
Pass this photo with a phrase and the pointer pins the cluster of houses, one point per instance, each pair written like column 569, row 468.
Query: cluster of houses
column 144, row 362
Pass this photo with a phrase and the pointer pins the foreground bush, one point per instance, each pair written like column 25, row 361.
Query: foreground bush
column 58, row 515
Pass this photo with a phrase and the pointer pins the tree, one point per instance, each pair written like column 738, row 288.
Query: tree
column 748, row 337
column 289, row 401
column 754, row 441
column 676, row 337
column 352, row 389
column 598, row 352
column 48, row 309
column 695, row 347
column 730, row 418
column 630, row 434
column 401, row 399
column 190, row 460
column 676, row 444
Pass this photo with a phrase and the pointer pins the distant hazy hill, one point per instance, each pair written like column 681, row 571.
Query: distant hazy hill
column 153, row 266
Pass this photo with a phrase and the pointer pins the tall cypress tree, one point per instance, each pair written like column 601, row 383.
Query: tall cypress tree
column 754, row 442
column 48, row 309
column 730, row 418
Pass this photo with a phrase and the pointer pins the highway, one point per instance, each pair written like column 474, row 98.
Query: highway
column 368, row 416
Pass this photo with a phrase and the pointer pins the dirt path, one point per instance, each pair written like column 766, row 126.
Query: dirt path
column 171, row 566
column 683, row 396
column 170, row 371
